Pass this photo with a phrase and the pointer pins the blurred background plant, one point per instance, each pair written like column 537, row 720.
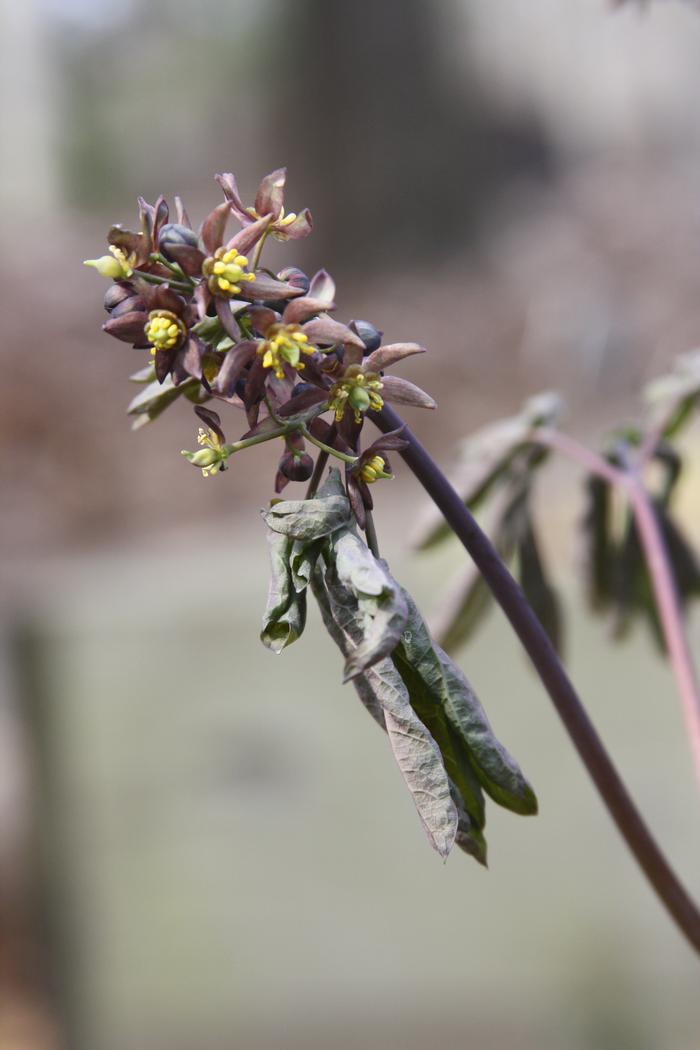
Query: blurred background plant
column 513, row 185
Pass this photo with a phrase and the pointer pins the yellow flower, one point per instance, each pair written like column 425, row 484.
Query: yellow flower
column 164, row 330
column 211, row 457
column 357, row 390
column 225, row 271
column 284, row 343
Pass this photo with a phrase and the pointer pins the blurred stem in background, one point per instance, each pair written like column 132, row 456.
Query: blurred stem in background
column 532, row 635
column 628, row 479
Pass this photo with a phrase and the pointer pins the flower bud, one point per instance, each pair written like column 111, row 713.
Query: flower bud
column 116, row 294
column 107, row 266
column 296, row 277
column 297, row 466
column 118, row 265
column 173, row 233
column 373, row 470
column 303, row 388
column 204, row 457
column 369, row 335
column 129, row 305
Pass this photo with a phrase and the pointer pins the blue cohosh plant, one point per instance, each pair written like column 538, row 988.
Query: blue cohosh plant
column 219, row 330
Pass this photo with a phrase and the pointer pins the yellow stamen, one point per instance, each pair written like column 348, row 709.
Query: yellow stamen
column 164, row 330
column 226, row 271
column 357, row 389
column 283, row 345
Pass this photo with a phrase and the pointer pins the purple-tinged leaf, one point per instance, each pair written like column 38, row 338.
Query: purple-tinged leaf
column 235, row 363
column 181, row 213
column 164, row 298
column 160, row 215
column 280, row 390
column 189, row 258
column 129, row 327
column 255, row 384
column 228, row 184
column 325, row 331
column 266, row 287
column 248, row 237
column 188, row 360
column 269, row 200
column 300, row 227
column 163, row 361
column 130, row 243
column 386, row 356
column 212, row 420
column 302, row 402
column 214, row 227
column 300, row 309
column 322, row 287
column 261, row 317
column 228, row 321
column 404, row 393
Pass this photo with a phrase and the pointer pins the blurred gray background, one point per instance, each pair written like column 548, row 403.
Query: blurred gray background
column 205, row 846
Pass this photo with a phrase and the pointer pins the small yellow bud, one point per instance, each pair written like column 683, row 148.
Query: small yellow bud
column 116, row 265
column 373, row 470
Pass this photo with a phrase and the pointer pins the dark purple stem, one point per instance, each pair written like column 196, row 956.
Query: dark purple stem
column 562, row 693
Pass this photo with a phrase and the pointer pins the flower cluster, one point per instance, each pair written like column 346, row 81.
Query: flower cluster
column 221, row 330
column 217, row 328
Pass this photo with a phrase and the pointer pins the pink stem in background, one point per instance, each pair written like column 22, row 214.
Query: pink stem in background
column 613, row 791
column 663, row 585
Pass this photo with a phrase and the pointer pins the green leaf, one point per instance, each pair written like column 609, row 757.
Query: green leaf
column 599, row 546
column 308, row 519
column 383, row 693
column 285, row 614
column 684, row 562
column 154, row 398
column 445, row 702
column 361, row 588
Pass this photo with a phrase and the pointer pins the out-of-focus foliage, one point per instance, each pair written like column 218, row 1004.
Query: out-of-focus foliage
column 495, row 474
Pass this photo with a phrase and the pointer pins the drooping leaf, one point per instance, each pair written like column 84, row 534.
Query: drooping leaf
column 360, row 587
column 383, row 693
column 309, row 519
column 443, row 699
column 684, row 561
column 599, row 546
column 296, row 531
column 154, row 398
column 285, row 614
